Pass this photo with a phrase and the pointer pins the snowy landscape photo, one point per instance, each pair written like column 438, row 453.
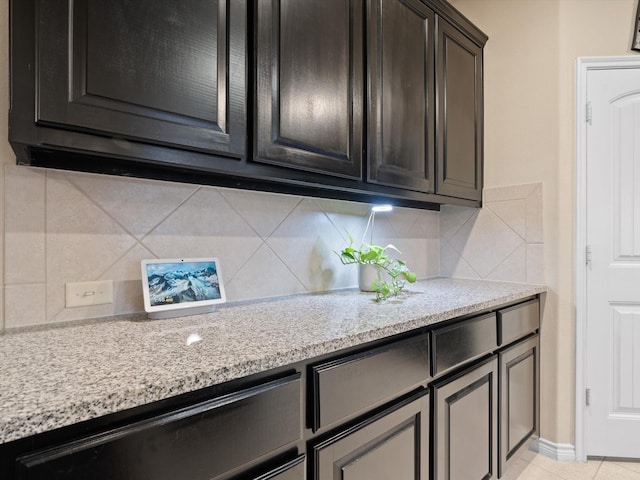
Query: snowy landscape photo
column 183, row 282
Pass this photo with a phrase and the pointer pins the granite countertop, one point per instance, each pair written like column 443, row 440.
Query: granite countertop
column 59, row 375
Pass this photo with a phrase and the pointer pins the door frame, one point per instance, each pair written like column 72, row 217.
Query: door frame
column 583, row 66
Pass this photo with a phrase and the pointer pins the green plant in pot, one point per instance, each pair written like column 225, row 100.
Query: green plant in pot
column 379, row 271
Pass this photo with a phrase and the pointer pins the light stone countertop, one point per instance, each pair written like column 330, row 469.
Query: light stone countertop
column 59, row 375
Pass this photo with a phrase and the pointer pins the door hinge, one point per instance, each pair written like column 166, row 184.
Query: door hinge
column 587, row 397
column 588, row 113
column 587, row 255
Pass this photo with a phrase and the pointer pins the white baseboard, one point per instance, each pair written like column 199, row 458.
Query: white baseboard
column 562, row 452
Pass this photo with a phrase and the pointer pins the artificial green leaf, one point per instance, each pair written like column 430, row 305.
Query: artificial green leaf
column 348, row 255
column 369, row 256
column 409, row 276
column 393, row 248
column 378, row 256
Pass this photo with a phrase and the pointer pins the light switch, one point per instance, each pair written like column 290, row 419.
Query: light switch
column 82, row 294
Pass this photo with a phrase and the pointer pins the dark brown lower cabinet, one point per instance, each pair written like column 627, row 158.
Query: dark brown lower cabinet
column 372, row 413
column 350, row 385
column 204, row 441
column 519, row 406
column 293, row 470
column 391, row 445
column 466, row 424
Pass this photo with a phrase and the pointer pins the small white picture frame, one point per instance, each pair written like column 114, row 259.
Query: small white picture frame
column 181, row 286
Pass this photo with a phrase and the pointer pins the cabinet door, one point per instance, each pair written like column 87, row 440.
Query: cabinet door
column 466, row 425
column 519, row 398
column 393, row 444
column 401, row 122
column 155, row 71
column 460, row 107
column 309, row 85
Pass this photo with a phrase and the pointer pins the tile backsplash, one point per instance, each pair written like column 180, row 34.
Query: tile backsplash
column 65, row 227
column 501, row 241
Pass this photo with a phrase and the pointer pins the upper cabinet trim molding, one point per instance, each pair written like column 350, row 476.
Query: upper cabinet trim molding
column 449, row 12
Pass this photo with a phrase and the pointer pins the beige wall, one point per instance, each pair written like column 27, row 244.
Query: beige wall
column 529, row 135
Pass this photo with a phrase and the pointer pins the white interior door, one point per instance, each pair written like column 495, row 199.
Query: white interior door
column 613, row 273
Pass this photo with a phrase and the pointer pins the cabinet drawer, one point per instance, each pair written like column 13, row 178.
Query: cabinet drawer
column 458, row 343
column 293, row 470
column 517, row 321
column 201, row 441
column 351, row 384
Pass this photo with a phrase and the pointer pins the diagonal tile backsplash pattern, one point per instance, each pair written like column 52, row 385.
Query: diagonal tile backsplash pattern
column 65, row 227
column 501, row 241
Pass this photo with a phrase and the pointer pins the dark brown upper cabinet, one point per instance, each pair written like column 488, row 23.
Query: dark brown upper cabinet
column 313, row 61
column 364, row 100
column 401, row 79
column 309, row 74
column 460, row 114
column 154, row 72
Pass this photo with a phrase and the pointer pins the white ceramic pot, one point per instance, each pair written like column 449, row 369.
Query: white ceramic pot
column 367, row 275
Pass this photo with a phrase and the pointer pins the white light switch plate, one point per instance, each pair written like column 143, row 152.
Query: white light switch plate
column 82, row 294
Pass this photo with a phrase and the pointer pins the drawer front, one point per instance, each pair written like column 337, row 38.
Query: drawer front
column 201, row 441
column 518, row 321
column 456, row 344
column 357, row 382
column 293, row 470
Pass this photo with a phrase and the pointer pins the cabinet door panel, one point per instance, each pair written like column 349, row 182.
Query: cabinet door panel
column 460, row 146
column 466, row 425
column 309, row 85
column 393, row 444
column 402, row 100
column 163, row 72
column 519, row 398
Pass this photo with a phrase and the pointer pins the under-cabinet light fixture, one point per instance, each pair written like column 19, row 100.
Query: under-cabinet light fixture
column 372, row 217
column 382, row 208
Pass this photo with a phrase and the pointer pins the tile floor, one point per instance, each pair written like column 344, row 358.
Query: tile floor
column 539, row 467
